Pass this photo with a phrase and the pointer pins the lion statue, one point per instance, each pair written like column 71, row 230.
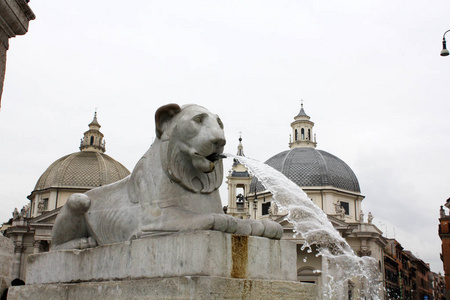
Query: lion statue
column 173, row 188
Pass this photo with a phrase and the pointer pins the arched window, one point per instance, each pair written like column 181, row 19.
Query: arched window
column 309, row 134
column 92, row 140
column 296, row 135
column 307, row 274
column 303, row 133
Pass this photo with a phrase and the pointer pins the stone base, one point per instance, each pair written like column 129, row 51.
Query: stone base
column 188, row 287
column 198, row 253
column 188, row 265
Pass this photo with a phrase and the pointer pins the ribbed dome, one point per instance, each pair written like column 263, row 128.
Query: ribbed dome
column 84, row 169
column 312, row 167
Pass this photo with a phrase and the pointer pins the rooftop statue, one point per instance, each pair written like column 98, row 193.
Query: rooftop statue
column 173, row 188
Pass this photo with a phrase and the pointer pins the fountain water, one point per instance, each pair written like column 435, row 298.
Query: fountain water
column 340, row 264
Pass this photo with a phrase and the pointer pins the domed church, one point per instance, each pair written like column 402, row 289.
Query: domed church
column 326, row 179
column 73, row 173
column 76, row 173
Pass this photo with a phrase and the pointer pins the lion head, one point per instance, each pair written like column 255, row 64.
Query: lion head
column 192, row 140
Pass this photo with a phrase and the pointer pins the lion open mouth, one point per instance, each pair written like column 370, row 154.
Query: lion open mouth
column 215, row 157
column 206, row 164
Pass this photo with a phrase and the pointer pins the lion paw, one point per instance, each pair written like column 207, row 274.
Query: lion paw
column 250, row 227
column 272, row 229
column 224, row 223
column 87, row 243
column 264, row 228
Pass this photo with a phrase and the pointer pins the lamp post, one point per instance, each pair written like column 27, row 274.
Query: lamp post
column 255, row 202
column 444, row 51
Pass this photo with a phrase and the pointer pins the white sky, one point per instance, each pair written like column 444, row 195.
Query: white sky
column 369, row 72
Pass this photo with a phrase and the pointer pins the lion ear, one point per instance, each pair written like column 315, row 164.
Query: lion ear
column 164, row 114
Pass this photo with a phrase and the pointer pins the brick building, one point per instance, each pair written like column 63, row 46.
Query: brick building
column 409, row 277
column 444, row 234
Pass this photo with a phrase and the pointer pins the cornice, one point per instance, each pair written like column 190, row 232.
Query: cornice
column 15, row 16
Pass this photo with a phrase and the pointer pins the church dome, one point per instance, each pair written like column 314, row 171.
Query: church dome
column 307, row 166
column 84, row 169
column 312, row 167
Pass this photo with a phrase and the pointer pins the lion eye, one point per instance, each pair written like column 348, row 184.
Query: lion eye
column 198, row 119
column 219, row 121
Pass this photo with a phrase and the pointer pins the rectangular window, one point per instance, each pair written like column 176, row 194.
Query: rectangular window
column 265, row 208
column 45, row 204
column 345, row 206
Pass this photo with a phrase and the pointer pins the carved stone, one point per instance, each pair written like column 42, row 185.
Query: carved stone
column 369, row 218
column 364, row 252
column 174, row 187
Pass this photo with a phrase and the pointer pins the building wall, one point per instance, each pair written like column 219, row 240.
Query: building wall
column 444, row 234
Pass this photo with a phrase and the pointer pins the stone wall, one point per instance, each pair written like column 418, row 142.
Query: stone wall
column 6, row 261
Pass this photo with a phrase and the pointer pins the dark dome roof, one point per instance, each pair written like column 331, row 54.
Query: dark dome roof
column 84, row 169
column 312, row 167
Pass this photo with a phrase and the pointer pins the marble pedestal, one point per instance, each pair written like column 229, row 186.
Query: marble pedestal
column 193, row 265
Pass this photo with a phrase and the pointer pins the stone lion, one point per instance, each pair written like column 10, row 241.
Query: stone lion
column 173, row 188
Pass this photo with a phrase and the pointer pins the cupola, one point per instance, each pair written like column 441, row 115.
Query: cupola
column 302, row 131
column 93, row 138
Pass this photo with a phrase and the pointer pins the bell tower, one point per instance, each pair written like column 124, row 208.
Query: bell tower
column 302, row 131
column 238, row 180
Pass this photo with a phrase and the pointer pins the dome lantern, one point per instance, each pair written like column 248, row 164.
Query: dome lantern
column 302, row 131
column 93, row 138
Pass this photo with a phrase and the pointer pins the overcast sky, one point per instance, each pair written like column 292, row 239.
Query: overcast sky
column 369, row 72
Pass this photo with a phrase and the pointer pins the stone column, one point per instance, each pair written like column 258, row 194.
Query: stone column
column 18, row 250
column 14, row 18
column 37, row 247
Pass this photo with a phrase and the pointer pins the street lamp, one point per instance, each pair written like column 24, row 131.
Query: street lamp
column 444, row 51
column 255, row 202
